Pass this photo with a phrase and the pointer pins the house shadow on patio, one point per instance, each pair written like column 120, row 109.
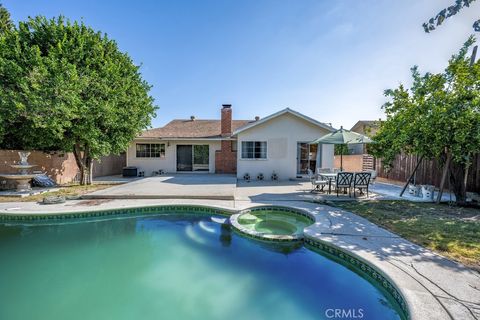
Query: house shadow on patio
column 198, row 179
column 178, row 186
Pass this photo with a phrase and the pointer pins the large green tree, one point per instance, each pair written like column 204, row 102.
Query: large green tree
column 67, row 87
column 438, row 117
column 6, row 25
column 5, row 21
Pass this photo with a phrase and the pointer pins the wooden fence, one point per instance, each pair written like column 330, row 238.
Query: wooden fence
column 429, row 171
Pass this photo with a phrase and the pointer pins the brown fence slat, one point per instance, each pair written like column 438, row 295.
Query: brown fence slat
column 429, row 171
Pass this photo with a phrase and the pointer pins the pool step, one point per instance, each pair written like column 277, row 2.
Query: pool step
column 209, row 233
column 248, row 218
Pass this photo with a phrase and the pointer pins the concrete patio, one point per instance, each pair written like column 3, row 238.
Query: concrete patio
column 301, row 190
column 178, row 186
column 226, row 187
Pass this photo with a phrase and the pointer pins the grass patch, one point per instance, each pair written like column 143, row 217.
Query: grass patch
column 70, row 190
column 450, row 231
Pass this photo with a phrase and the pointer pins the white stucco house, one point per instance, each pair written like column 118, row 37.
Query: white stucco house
column 277, row 143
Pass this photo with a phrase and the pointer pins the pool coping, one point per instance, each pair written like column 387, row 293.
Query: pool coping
column 420, row 298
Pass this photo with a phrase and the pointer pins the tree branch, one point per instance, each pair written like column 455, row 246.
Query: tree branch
column 446, row 13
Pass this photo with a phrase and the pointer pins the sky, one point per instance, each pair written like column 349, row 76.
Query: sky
column 330, row 60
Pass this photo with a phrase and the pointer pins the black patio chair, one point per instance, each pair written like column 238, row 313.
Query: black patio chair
column 361, row 181
column 344, row 181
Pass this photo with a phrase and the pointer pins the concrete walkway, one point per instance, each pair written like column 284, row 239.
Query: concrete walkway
column 433, row 286
column 301, row 190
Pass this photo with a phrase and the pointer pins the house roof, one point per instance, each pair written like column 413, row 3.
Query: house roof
column 371, row 123
column 282, row 112
column 183, row 128
column 362, row 124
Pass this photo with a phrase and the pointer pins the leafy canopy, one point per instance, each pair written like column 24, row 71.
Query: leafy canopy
column 5, row 21
column 439, row 112
column 64, row 85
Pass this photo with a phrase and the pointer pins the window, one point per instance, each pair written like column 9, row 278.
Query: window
column 150, row 150
column 254, row 150
column 234, row 145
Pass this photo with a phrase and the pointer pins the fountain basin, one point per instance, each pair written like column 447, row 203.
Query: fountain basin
column 23, row 166
column 22, row 180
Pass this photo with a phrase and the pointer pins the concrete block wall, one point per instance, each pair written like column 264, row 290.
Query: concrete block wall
column 352, row 163
column 109, row 165
column 61, row 167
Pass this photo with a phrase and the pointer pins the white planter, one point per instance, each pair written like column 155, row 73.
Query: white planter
column 427, row 192
column 414, row 190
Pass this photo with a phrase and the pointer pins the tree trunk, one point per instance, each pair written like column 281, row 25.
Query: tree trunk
column 467, row 167
column 446, row 168
column 89, row 170
column 84, row 163
column 457, row 183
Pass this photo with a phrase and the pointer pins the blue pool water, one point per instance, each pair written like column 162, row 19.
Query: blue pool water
column 171, row 267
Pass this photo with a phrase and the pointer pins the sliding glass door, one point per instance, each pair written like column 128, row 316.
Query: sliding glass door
column 184, row 158
column 200, row 157
column 306, row 157
column 193, row 157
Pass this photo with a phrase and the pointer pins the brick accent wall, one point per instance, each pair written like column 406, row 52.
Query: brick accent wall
column 226, row 159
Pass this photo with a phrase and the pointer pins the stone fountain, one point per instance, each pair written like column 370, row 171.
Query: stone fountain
column 22, row 178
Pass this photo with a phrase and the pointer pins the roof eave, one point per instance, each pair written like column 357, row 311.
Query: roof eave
column 281, row 112
column 185, row 138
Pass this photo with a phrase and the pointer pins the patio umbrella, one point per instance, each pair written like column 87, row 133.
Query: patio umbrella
column 342, row 136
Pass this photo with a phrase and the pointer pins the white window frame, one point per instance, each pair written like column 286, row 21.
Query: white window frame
column 254, row 142
column 162, row 146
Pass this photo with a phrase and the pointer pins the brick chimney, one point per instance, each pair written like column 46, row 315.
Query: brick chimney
column 226, row 158
column 226, row 120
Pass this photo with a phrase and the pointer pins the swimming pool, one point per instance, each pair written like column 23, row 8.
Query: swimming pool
column 172, row 267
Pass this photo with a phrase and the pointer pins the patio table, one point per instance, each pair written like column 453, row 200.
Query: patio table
column 330, row 177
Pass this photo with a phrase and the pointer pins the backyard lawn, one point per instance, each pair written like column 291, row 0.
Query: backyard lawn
column 451, row 231
column 71, row 190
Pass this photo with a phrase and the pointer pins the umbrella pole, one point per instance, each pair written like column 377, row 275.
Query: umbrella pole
column 341, row 159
